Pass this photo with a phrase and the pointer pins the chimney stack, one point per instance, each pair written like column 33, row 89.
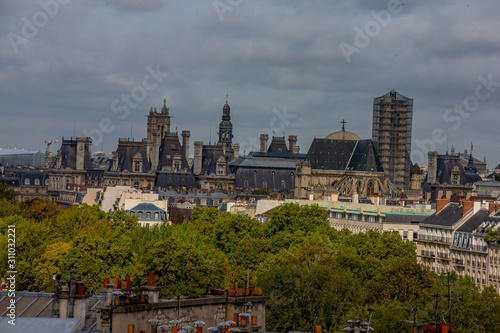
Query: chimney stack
column 441, row 203
column 263, row 142
column 467, row 205
column 236, row 148
column 198, row 149
column 432, row 166
column 185, row 142
column 292, row 141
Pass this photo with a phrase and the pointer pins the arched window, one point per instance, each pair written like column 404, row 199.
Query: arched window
column 27, row 181
column 139, row 215
column 358, row 187
column 148, row 215
column 370, row 189
column 157, row 215
column 37, row 181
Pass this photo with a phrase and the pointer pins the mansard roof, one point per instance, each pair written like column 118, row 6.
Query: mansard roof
column 446, row 164
column 68, row 155
column 474, row 221
column 210, row 156
column 126, row 151
column 169, row 148
column 168, row 178
column 278, row 145
column 447, row 217
column 146, row 206
column 344, row 155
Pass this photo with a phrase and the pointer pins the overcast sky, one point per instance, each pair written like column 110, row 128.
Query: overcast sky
column 290, row 67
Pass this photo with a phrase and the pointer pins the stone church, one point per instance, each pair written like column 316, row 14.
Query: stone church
column 344, row 164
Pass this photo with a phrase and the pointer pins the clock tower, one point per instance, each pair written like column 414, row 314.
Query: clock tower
column 226, row 127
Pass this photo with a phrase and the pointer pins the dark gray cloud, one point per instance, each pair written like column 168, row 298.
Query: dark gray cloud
column 66, row 76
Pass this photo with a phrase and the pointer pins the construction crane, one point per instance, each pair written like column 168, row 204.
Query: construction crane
column 48, row 143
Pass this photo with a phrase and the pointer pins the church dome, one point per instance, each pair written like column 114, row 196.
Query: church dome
column 343, row 135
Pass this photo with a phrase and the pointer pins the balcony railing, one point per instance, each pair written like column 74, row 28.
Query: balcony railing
column 434, row 238
column 428, row 253
column 444, row 255
column 479, row 248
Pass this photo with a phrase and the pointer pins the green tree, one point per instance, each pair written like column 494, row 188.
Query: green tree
column 96, row 258
column 39, row 210
column 50, row 263
column 180, row 269
column 6, row 192
column 307, row 291
column 289, row 225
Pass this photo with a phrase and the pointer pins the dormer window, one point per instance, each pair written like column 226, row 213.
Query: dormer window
column 455, row 176
column 221, row 166
column 137, row 163
column 27, row 181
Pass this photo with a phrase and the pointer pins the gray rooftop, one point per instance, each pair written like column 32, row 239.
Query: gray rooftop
column 447, row 217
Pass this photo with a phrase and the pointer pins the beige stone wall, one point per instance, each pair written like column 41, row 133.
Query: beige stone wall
column 210, row 309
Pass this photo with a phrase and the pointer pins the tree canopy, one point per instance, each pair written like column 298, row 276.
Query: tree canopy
column 312, row 274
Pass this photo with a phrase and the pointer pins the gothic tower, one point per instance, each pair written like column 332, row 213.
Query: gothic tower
column 158, row 128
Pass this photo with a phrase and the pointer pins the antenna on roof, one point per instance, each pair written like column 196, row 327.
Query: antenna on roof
column 74, row 129
column 131, row 131
column 227, row 94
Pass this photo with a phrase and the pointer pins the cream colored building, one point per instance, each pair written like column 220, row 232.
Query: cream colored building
column 360, row 217
column 453, row 240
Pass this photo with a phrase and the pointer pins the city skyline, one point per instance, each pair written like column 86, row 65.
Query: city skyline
column 292, row 68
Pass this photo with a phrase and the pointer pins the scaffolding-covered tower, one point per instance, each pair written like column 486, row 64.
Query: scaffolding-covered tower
column 392, row 122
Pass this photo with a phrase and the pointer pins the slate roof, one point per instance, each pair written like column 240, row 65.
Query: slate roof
column 275, row 171
column 474, row 221
column 146, row 207
column 126, row 151
column 170, row 178
column 270, row 160
column 210, row 155
column 19, row 176
column 446, row 163
column 447, row 217
column 344, row 155
column 33, row 307
column 404, row 217
column 170, row 147
column 278, row 145
column 68, row 154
